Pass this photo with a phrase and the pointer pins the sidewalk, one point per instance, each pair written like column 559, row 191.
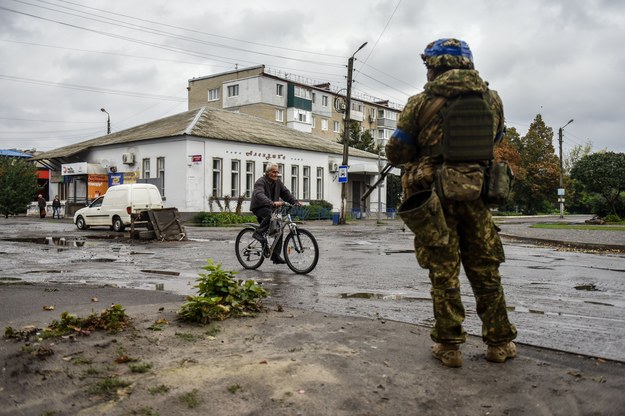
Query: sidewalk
column 278, row 363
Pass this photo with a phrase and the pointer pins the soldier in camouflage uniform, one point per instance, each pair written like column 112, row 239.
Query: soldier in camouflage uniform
column 470, row 237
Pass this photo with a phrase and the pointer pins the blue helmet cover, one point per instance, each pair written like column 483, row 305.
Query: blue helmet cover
column 448, row 46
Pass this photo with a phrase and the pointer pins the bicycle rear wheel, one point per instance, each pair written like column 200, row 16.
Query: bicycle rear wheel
column 301, row 251
column 248, row 249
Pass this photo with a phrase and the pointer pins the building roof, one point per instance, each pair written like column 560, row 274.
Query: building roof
column 13, row 153
column 209, row 123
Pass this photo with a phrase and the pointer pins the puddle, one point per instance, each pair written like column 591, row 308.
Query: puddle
column 368, row 295
column 100, row 260
column 589, row 287
column 50, row 241
column 398, row 252
column 165, row 272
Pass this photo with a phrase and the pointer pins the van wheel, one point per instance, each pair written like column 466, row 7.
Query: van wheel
column 118, row 225
column 81, row 224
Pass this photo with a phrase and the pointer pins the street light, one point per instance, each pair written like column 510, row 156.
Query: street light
column 108, row 121
column 561, row 189
column 350, row 68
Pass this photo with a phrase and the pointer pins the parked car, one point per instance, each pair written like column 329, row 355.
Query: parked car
column 119, row 207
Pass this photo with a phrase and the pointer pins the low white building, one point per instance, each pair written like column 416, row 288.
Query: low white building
column 206, row 155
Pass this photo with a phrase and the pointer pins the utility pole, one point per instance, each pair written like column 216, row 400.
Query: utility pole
column 348, row 104
column 561, row 189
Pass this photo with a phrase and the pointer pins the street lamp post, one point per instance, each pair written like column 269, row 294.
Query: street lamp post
column 561, row 189
column 108, row 121
column 350, row 68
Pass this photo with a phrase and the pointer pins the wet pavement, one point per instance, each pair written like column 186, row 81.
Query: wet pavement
column 558, row 296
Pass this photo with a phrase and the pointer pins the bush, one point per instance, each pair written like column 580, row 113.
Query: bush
column 321, row 203
column 220, row 296
column 612, row 218
column 218, row 219
column 319, row 209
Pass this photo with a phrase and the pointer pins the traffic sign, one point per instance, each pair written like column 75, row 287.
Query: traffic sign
column 343, row 174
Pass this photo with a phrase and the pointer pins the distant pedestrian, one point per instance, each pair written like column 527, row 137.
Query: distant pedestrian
column 42, row 206
column 56, row 207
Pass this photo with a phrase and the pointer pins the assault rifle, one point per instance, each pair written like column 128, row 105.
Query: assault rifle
column 383, row 173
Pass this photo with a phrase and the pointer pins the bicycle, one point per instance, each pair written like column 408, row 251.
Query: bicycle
column 300, row 248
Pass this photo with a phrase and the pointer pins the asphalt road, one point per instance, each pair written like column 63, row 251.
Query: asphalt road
column 559, row 298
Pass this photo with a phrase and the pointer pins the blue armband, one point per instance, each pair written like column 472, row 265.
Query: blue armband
column 403, row 137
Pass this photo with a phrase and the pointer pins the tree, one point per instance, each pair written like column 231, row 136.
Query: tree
column 602, row 173
column 535, row 191
column 359, row 139
column 505, row 150
column 18, row 184
column 577, row 199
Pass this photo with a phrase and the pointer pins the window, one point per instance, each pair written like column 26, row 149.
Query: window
column 314, row 97
column 324, row 124
column 213, row 95
column 250, row 178
column 324, row 100
column 387, row 114
column 280, row 171
column 235, row 174
column 337, row 127
column 233, row 90
column 319, row 183
column 301, row 116
column 279, row 90
column 295, row 181
column 216, row 177
column 146, row 168
column 384, row 134
column 314, row 122
column 302, row 92
column 160, row 173
column 279, row 115
column 306, row 183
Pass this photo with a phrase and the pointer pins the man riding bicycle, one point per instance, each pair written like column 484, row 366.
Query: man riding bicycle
column 267, row 195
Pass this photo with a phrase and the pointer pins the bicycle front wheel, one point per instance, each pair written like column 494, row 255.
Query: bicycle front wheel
column 249, row 250
column 301, row 251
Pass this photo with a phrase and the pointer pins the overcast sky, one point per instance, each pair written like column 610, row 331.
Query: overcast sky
column 62, row 61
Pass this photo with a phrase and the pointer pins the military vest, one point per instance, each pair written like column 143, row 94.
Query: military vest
column 467, row 129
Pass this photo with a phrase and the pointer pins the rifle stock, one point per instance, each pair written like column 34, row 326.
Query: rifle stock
column 383, row 173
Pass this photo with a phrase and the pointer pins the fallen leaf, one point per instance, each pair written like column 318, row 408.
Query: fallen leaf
column 94, row 299
column 48, row 308
column 264, row 362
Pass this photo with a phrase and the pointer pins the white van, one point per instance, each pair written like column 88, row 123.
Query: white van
column 119, row 206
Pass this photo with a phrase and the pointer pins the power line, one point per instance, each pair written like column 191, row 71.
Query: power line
column 202, row 33
column 91, row 89
column 109, row 53
column 155, row 32
column 48, row 121
column 381, row 33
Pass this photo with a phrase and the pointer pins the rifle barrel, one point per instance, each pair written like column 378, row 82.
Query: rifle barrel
column 383, row 173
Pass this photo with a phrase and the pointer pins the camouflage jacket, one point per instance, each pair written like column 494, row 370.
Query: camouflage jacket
column 403, row 147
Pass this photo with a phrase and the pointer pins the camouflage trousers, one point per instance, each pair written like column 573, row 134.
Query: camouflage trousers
column 473, row 242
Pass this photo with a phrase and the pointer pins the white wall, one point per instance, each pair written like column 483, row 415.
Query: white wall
column 188, row 184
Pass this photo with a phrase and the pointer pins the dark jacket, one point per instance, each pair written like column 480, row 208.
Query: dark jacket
column 42, row 203
column 56, row 203
column 262, row 196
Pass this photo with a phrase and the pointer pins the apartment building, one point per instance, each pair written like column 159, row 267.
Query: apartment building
column 292, row 101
